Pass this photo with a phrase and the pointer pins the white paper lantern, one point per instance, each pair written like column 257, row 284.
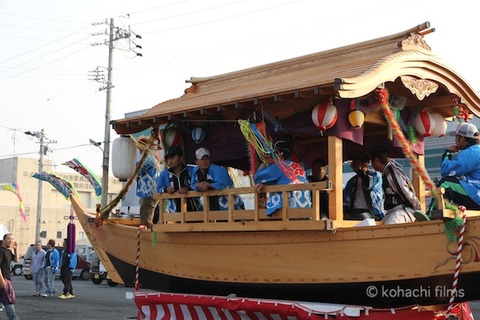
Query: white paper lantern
column 124, row 154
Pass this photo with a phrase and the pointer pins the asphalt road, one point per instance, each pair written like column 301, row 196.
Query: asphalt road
column 91, row 302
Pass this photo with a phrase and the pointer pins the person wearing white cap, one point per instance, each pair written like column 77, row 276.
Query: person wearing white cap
column 461, row 172
column 209, row 176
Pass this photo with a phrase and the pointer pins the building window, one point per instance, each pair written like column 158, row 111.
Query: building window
column 59, row 234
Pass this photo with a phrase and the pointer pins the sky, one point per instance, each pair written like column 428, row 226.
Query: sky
column 50, row 48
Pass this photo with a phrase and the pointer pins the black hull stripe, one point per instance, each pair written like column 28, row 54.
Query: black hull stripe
column 387, row 294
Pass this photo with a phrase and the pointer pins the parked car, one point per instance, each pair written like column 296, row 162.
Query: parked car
column 16, row 268
column 82, row 271
column 98, row 273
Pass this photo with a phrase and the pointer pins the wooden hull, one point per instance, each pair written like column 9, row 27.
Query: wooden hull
column 379, row 266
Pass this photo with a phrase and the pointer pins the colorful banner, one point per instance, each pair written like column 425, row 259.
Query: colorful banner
column 76, row 165
column 63, row 186
column 13, row 187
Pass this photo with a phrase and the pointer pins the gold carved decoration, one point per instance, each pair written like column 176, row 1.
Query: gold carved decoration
column 420, row 87
column 415, row 40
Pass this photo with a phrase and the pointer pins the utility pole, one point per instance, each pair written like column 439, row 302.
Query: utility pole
column 44, row 141
column 114, row 34
column 106, row 142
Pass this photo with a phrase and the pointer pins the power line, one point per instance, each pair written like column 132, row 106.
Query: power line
column 45, row 64
column 41, row 47
column 221, row 19
column 41, row 18
column 189, row 13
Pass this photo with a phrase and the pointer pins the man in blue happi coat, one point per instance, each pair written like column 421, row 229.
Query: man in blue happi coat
column 461, row 168
column 209, row 176
column 177, row 178
column 283, row 172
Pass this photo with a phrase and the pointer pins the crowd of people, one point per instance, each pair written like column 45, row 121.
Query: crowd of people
column 44, row 265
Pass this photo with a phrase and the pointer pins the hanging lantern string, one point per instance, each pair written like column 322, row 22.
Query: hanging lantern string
column 382, row 95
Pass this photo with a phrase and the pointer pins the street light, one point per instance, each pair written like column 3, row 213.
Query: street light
column 104, row 175
column 95, row 143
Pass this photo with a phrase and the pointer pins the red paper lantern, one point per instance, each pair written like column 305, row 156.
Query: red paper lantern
column 440, row 125
column 324, row 115
column 424, row 123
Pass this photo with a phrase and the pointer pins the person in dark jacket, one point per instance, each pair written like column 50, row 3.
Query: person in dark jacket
column 68, row 264
column 363, row 194
column 177, row 178
column 8, row 253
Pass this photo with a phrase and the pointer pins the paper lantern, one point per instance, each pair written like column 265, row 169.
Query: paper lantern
column 356, row 118
column 424, row 123
column 198, row 134
column 440, row 125
column 171, row 137
column 124, row 153
column 324, row 115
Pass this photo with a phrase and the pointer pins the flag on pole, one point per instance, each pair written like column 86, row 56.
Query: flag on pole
column 76, row 165
column 13, row 187
column 63, row 186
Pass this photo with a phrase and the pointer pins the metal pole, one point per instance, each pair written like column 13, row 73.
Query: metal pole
column 40, row 191
column 106, row 143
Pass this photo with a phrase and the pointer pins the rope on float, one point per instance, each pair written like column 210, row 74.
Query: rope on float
column 458, row 263
column 137, row 259
column 382, row 96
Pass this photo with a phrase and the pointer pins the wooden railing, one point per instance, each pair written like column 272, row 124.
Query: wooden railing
column 255, row 218
column 286, row 217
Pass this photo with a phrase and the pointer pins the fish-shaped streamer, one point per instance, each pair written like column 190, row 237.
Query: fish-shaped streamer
column 76, row 165
column 63, row 186
column 13, row 187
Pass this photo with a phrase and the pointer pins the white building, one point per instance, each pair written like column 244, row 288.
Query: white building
column 55, row 209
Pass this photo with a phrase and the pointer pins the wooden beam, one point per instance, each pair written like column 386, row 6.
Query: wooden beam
column 335, row 197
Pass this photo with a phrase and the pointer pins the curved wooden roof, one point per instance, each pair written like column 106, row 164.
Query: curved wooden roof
column 347, row 72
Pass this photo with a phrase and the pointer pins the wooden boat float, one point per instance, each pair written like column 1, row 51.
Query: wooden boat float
column 296, row 255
